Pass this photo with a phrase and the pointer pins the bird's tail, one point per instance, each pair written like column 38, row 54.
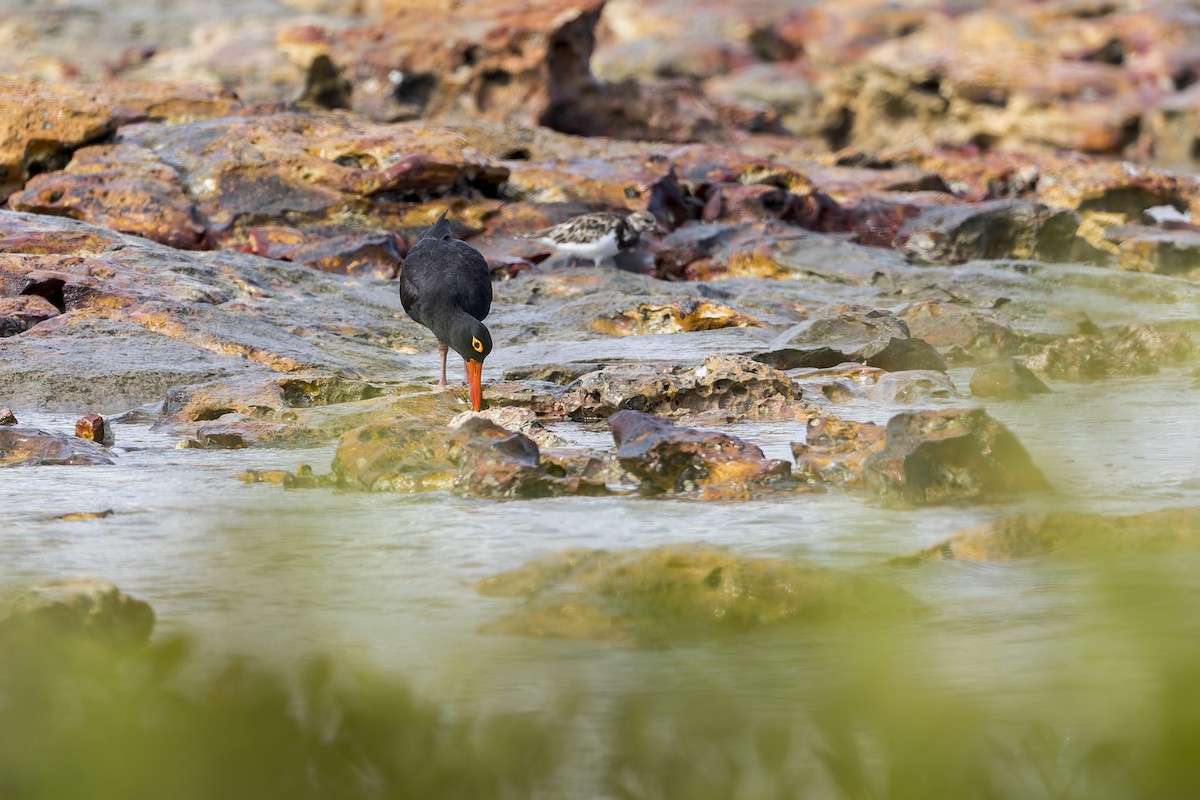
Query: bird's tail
column 440, row 229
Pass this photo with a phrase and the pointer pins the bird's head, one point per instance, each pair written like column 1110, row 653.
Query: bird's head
column 642, row 221
column 471, row 340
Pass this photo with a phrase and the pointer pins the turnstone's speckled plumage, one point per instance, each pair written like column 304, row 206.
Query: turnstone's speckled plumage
column 596, row 237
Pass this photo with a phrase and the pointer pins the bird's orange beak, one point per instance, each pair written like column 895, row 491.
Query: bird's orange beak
column 475, row 379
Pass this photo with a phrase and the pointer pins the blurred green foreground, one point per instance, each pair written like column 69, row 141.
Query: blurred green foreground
column 868, row 709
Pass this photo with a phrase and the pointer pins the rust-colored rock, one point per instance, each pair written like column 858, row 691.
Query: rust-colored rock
column 1130, row 349
column 725, row 386
column 167, row 102
column 121, row 187
column 682, row 591
column 21, row 446
column 19, row 314
column 668, row 459
column 90, row 607
column 42, row 125
column 94, row 428
column 682, row 316
column 834, row 451
column 1025, row 536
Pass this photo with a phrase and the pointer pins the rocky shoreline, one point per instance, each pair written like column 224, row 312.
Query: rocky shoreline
column 853, row 201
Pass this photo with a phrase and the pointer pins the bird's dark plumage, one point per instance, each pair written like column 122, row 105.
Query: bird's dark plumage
column 446, row 286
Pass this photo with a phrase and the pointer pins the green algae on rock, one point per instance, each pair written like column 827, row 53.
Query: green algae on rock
column 1029, row 535
column 676, row 592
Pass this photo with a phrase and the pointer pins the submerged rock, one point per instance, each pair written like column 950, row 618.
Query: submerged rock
column 677, row 592
column 32, row 447
column 961, row 335
column 1006, row 380
column 1134, row 348
column 664, row 458
column 79, row 606
column 919, row 457
column 1027, row 535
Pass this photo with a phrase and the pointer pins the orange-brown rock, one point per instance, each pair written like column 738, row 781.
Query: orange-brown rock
column 19, row 314
column 121, row 187
column 42, row 126
column 94, row 428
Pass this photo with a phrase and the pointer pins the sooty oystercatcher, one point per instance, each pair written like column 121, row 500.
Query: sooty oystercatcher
column 445, row 285
column 596, row 237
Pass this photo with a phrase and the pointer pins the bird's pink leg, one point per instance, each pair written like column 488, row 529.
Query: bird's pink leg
column 443, row 349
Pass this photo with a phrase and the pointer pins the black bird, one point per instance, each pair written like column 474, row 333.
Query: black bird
column 445, row 285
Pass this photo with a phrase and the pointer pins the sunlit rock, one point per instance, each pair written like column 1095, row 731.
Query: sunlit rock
column 94, row 428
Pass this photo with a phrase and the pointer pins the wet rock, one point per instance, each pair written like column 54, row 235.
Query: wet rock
column 120, row 187
column 21, row 446
column 673, row 592
column 961, row 335
column 1006, row 380
column 1169, row 129
column 479, row 458
column 19, row 314
column 734, row 387
column 166, row 102
column 262, row 398
column 673, row 460
column 682, row 316
column 1131, row 349
column 517, row 420
column 41, row 127
column 919, row 457
column 996, row 229
column 232, row 432
column 913, row 387
column 1024, row 536
column 852, row 333
column 190, row 318
column 1157, row 250
column 91, row 607
column 7, row 417
column 943, row 456
column 94, row 428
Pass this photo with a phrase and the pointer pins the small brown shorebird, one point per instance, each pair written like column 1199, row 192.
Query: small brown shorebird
column 598, row 236
column 445, row 285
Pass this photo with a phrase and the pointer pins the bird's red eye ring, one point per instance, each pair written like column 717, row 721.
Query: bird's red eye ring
column 478, row 345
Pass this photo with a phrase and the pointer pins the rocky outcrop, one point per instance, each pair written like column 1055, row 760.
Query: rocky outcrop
column 920, row 457
column 852, row 333
column 666, row 459
column 682, row 316
column 1130, row 349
